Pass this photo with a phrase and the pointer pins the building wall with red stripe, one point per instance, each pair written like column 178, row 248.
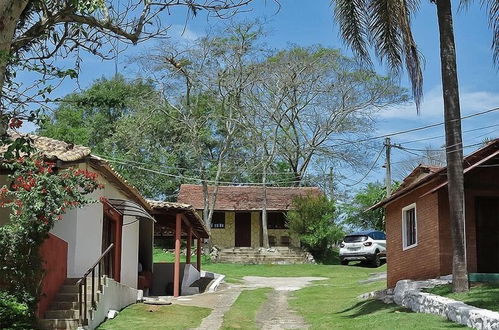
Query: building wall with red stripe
column 54, row 252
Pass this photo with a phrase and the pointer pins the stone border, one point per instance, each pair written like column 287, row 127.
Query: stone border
column 408, row 294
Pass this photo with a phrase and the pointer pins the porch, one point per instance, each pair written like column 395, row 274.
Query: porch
column 181, row 223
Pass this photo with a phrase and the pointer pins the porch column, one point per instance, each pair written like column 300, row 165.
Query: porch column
column 189, row 242
column 176, row 266
column 198, row 254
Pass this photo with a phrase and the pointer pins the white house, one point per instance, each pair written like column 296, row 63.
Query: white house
column 119, row 221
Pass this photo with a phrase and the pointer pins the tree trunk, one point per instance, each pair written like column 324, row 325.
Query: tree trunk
column 454, row 144
column 265, row 232
column 10, row 13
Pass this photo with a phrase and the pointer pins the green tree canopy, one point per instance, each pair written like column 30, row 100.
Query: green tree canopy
column 356, row 210
column 313, row 218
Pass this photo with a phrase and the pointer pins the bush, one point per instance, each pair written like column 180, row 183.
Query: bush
column 312, row 218
column 14, row 314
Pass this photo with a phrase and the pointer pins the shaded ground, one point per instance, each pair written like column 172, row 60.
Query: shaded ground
column 141, row 316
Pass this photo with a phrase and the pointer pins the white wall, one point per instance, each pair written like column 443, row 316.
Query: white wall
column 115, row 296
column 82, row 229
column 130, row 251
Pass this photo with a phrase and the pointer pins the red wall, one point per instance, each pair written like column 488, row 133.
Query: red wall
column 423, row 260
column 54, row 252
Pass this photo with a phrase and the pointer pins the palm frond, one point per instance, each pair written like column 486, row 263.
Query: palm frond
column 353, row 19
column 493, row 9
column 391, row 35
column 385, row 31
column 412, row 55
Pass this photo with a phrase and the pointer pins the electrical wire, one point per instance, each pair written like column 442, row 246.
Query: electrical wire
column 369, row 171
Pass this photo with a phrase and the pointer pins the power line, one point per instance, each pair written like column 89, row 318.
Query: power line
column 441, row 136
column 414, row 129
column 196, row 179
column 369, row 171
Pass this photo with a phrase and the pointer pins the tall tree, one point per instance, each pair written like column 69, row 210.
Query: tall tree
column 356, row 212
column 122, row 120
column 33, row 33
column 387, row 26
column 204, row 83
column 316, row 97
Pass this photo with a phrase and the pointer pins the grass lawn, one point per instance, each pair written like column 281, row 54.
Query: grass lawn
column 328, row 304
column 242, row 314
column 140, row 316
column 161, row 256
column 333, row 303
column 480, row 295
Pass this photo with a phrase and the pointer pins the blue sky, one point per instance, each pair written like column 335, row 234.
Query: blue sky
column 310, row 22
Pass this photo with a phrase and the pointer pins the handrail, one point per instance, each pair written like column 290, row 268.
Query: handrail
column 82, row 286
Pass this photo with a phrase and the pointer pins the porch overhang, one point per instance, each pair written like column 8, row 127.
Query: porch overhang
column 130, row 208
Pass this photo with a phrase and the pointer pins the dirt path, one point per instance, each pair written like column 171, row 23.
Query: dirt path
column 274, row 314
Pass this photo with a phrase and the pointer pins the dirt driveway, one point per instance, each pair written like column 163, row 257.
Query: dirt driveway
column 274, row 314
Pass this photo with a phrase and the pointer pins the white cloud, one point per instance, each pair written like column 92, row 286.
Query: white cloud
column 433, row 104
column 180, row 31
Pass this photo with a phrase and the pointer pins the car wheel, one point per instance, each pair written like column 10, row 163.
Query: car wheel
column 344, row 262
column 377, row 260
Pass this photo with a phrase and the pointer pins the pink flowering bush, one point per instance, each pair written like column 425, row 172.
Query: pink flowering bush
column 38, row 195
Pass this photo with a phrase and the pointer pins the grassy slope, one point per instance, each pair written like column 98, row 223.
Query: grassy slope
column 242, row 314
column 333, row 303
column 140, row 316
column 480, row 295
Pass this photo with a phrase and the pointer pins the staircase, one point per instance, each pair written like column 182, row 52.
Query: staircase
column 63, row 312
column 275, row 255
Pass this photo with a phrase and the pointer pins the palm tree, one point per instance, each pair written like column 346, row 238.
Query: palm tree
column 386, row 26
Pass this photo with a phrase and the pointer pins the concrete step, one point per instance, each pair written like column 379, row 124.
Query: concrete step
column 68, row 324
column 60, row 305
column 73, row 297
column 276, row 260
column 62, row 314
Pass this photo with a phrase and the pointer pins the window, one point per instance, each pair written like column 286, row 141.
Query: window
column 218, row 220
column 276, row 220
column 409, row 227
column 355, row 238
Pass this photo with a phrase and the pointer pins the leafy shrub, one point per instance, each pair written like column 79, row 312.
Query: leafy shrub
column 14, row 314
column 38, row 195
column 312, row 218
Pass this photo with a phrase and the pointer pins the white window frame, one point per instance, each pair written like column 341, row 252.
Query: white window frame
column 404, row 225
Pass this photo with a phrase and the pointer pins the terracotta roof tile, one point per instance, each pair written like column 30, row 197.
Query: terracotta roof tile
column 52, row 149
column 245, row 198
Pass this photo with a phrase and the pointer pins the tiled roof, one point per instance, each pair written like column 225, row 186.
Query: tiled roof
column 186, row 209
column 53, row 149
column 420, row 172
column 245, row 198
column 480, row 156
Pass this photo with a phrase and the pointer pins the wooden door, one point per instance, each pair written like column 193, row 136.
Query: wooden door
column 111, row 233
column 243, row 229
column 487, row 234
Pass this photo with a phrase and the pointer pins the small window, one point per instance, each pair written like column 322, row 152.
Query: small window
column 382, row 236
column 355, row 238
column 409, row 227
column 218, row 220
column 276, row 220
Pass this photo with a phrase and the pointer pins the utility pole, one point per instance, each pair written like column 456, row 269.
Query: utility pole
column 388, row 179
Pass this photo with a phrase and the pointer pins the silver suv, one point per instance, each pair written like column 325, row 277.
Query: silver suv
column 366, row 246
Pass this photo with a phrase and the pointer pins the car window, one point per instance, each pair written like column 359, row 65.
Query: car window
column 382, row 236
column 354, row 238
